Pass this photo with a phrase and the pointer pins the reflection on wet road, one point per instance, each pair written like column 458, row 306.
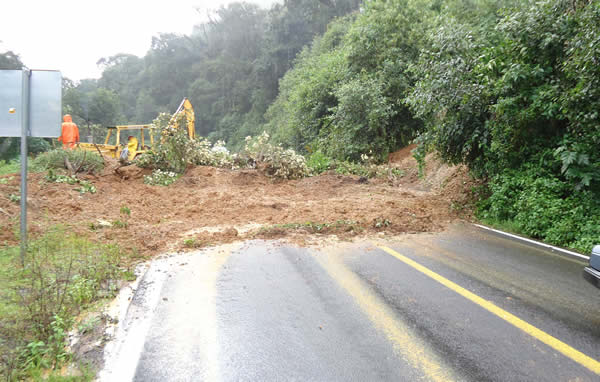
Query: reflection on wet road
column 462, row 305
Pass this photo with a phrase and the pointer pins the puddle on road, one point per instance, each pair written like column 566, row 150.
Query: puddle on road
column 136, row 305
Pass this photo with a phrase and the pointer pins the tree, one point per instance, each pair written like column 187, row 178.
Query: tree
column 346, row 94
column 10, row 60
column 104, row 108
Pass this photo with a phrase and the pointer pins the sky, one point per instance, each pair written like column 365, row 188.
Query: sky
column 72, row 35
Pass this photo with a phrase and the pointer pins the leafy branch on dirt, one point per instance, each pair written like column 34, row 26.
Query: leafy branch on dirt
column 272, row 160
column 347, row 226
column 160, row 178
column 175, row 152
column 84, row 185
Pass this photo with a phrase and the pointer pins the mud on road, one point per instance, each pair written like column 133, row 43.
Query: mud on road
column 209, row 206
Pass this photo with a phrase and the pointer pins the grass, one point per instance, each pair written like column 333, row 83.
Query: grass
column 512, row 227
column 120, row 224
column 63, row 275
column 9, row 167
column 84, row 161
column 507, row 226
column 192, row 243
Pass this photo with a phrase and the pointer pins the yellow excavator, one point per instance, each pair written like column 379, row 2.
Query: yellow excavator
column 186, row 108
column 135, row 148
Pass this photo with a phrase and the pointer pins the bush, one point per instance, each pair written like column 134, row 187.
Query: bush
column 202, row 153
column 175, row 151
column 85, row 161
column 11, row 147
column 9, row 167
column 538, row 204
column 368, row 169
column 160, row 178
column 318, row 162
column 274, row 161
column 63, row 274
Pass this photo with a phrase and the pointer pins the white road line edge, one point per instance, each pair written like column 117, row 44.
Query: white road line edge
column 544, row 245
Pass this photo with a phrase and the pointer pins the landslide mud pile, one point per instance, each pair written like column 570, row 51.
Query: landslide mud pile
column 210, row 205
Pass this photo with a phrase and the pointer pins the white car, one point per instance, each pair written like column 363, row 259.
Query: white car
column 592, row 272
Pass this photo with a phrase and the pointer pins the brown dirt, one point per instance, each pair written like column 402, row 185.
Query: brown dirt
column 214, row 205
column 400, row 155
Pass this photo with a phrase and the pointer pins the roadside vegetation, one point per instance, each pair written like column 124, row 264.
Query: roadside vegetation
column 64, row 274
column 9, row 167
column 506, row 87
column 74, row 161
column 509, row 88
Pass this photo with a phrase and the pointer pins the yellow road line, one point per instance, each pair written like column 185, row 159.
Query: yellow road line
column 406, row 345
column 554, row 343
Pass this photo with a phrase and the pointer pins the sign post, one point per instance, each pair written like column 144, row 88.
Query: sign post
column 30, row 106
column 24, row 131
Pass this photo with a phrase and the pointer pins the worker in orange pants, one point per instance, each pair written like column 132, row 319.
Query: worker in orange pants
column 70, row 133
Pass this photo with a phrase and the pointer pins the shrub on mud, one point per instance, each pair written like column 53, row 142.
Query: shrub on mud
column 274, row 161
column 369, row 168
column 160, row 178
column 80, row 160
column 175, row 151
column 318, row 162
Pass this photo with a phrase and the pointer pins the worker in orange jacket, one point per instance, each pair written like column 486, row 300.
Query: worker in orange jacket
column 69, row 134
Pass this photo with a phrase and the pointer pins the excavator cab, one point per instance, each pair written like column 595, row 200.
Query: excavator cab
column 113, row 148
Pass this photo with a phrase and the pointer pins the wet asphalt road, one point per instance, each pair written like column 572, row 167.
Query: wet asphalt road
column 354, row 312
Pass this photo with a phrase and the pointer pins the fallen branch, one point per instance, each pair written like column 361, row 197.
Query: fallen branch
column 69, row 166
column 81, row 162
column 101, row 156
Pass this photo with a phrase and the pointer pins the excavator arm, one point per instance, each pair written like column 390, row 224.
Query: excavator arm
column 186, row 108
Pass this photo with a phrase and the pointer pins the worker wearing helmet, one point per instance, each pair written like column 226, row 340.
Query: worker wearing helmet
column 69, row 133
column 132, row 144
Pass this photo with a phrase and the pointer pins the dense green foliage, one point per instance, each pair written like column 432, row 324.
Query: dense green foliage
column 11, row 147
column 345, row 94
column 229, row 67
column 510, row 88
column 538, row 203
column 517, row 100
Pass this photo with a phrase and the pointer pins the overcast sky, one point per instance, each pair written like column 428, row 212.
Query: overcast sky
column 72, row 35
